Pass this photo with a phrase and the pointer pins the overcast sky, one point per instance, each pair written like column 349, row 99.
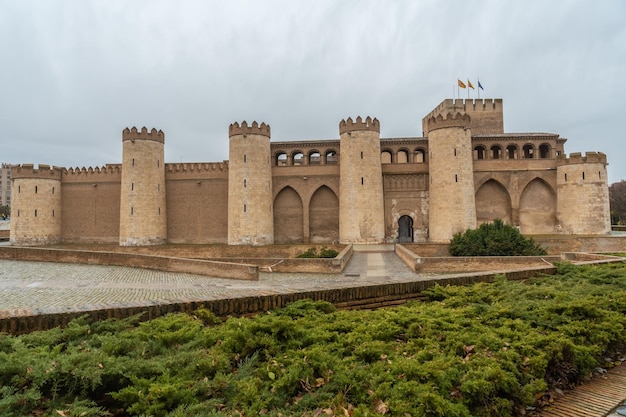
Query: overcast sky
column 74, row 74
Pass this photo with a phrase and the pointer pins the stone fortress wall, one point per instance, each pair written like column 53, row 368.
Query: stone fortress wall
column 359, row 188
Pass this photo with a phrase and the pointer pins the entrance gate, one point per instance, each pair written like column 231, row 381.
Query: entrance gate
column 405, row 229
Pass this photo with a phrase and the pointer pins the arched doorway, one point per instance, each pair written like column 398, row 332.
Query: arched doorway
column 405, row 229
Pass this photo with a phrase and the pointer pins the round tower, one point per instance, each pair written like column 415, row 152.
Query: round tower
column 36, row 205
column 582, row 202
column 143, row 219
column 250, row 212
column 361, row 203
column 452, row 206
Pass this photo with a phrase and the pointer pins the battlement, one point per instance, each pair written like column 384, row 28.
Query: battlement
column 578, row 158
column 451, row 120
column 369, row 124
column 487, row 116
column 109, row 169
column 255, row 129
column 133, row 134
column 42, row 172
column 196, row 167
column 467, row 105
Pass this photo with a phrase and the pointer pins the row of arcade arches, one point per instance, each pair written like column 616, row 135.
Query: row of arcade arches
column 534, row 212
column 535, row 209
column 418, row 155
column 513, row 151
column 290, row 218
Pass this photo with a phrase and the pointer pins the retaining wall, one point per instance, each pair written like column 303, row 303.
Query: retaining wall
column 454, row 264
column 298, row 265
column 135, row 260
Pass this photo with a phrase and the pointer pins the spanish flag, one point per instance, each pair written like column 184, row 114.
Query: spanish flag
column 469, row 84
column 462, row 84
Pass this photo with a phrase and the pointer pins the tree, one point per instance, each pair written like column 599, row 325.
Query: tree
column 617, row 199
column 494, row 239
column 5, row 211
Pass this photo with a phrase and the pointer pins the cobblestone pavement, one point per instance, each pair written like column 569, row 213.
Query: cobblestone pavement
column 42, row 287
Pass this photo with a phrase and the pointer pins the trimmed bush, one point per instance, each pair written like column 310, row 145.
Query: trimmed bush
column 494, row 239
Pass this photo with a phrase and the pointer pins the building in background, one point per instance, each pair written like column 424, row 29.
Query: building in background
column 5, row 185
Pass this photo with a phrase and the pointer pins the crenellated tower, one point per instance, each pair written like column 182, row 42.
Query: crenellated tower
column 583, row 194
column 36, row 205
column 143, row 219
column 361, row 201
column 250, row 201
column 451, row 179
column 486, row 115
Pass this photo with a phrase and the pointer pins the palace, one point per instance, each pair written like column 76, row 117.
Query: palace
column 360, row 188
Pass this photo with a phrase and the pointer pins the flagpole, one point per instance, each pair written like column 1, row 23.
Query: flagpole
column 478, row 88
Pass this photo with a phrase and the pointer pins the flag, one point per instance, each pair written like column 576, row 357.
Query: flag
column 461, row 84
column 480, row 86
column 469, row 84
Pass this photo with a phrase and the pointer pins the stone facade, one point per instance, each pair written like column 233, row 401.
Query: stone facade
column 359, row 188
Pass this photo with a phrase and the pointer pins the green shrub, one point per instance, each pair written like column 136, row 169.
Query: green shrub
column 494, row 239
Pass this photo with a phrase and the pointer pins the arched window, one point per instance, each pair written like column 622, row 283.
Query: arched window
column 314, row 158
column 529, row 151
column 496, row 152
column 281, row 159
column 385, row 157
column 480, row 152
column 402, row 157
column 297, row 158
column 511, row 152
column 420, row 156
column 331, row 157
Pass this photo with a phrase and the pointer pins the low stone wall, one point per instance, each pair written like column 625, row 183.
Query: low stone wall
column 299, row 265
column 575, row 243
column 5, row 235
column 454, row 264
column 554, row 244
column 581, row 258
column 135, row 260
column 344, row 298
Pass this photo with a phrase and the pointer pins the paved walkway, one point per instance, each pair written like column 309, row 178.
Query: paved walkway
column 40, row 287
